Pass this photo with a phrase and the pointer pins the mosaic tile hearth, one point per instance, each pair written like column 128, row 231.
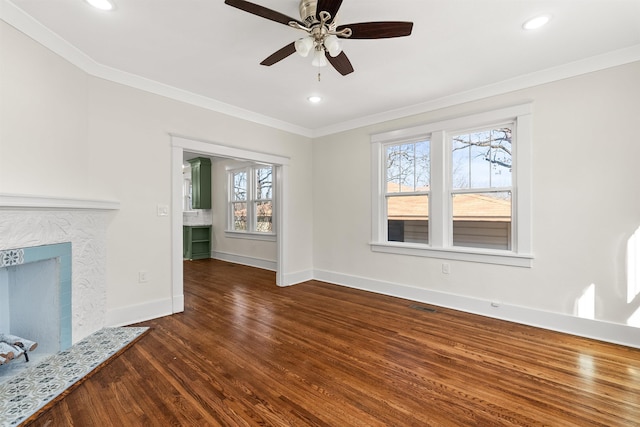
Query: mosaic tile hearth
column 23, row 395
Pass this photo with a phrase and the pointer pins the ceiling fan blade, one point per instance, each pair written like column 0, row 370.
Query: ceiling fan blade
column 262, row 11
column 280, row 55
column 341, row 63
column 330, row 6
column 378, row 30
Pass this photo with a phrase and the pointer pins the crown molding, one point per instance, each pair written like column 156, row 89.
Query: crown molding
column 24, row 23
column 17, row 18
column 572, row 69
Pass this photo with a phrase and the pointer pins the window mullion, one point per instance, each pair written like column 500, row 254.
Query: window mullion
column 229, row 200
column 438, row 200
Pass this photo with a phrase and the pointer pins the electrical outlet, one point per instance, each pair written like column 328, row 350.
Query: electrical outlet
column 163, row 210
column 446, row 268
column 142, row 277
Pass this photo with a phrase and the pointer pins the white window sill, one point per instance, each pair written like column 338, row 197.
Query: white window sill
column 268, row 237
column 190, row 213
column 459, row 254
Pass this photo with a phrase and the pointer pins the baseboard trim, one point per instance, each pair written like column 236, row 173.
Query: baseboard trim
column 139, row 312
column 291, row 279
column 599, row 330
column 594, row 329
column 245, row 260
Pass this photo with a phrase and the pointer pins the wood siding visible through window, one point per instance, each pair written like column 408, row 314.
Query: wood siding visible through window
column 473, row 234
column 482, row 234
column 479, row 221
column 409, row 231
column 482, row 221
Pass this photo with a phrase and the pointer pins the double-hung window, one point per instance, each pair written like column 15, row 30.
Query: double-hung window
column 456, row 189
column 251, row 200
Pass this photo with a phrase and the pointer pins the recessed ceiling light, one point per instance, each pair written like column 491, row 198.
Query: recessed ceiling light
column 314, row 99
column 102, row 4
column 537, row 22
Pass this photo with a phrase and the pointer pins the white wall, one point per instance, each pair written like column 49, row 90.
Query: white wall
column 585, row 207
column 43, row 120
column 65, row 133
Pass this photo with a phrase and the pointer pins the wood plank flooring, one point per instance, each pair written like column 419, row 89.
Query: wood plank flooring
column 248, row 353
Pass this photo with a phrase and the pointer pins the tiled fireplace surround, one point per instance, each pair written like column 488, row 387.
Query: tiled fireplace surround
column 49, row 225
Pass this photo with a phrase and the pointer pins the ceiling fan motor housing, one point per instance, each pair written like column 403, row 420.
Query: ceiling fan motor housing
column 308, row 10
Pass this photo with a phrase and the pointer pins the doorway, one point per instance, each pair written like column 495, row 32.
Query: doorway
column 180, row 145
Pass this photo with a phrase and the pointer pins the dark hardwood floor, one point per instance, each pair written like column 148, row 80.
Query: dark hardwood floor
column 247, row 353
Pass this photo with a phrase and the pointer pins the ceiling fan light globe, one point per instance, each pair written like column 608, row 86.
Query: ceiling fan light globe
column 303, row 46
column 333, row 45
column 319, row 60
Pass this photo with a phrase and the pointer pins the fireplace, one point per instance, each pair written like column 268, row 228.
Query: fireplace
column 60, row 243
column 35, row 299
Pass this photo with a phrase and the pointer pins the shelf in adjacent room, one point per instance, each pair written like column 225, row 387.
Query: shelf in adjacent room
column 197, row 241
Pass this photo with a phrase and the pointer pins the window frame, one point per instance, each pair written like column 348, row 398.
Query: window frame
column 440, row 206
column 251, row 201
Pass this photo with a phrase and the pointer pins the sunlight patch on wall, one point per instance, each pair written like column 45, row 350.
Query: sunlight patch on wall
column 634, row 319
column 633, row 266
column 586, row 305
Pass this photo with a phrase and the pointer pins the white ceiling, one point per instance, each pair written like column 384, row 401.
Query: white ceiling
column 208, row 52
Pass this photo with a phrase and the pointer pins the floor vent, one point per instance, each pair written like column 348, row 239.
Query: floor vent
column 422, row 308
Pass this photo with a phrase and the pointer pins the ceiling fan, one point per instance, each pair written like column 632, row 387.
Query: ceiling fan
column 323, row 33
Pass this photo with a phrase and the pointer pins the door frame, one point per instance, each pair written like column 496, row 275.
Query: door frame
column 180, row 144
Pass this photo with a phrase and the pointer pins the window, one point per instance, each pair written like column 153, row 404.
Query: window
column 481, row 191
column 239, row 209
column 251, row 200
column 186, row 188
column 407, row 191
column 187, row 195
column 456, row 189
column 263, row 200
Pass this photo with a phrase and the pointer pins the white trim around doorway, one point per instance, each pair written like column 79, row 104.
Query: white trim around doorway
column 180, row 144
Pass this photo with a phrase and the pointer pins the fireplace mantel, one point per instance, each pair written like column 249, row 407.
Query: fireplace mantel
column 13, row 201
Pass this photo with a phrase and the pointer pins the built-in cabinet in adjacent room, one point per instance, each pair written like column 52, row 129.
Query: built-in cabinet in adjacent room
column 200, row 183
column 197, row 213
column 197, row 241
